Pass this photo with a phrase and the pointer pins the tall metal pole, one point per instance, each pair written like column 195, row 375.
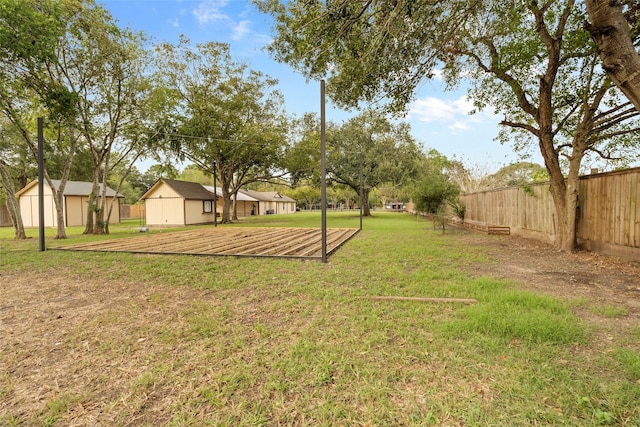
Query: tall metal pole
column 360, row 189
column 323, row 171
column 41, row 182
column 215, row 197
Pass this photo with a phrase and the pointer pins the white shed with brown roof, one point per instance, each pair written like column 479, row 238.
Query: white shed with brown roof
column 172, row 202
column 76, row 196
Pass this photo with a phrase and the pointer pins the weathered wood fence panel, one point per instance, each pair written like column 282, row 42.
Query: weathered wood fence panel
column 131, row 211
column 5, row 219
column 608, row 216
column 527, row 210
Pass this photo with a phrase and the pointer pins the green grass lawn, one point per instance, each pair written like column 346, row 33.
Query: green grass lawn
column 284, row 342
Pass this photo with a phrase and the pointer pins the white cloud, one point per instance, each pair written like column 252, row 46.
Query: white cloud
column 262, row 39
column 459, row 126
column 436, row 109
column 210, row 11
column 438, row 74
column 174, row 22
column 241, row 29
column 454, row 114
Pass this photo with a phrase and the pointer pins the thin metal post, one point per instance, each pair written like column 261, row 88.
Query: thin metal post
column 360, row 189
column 323, row 171
column 41, row 182
column 215, row 197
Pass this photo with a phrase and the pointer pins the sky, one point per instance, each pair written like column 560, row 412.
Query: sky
column 439, row 119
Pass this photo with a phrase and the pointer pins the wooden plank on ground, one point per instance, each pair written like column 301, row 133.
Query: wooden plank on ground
column 421, row 299
column 498, row 229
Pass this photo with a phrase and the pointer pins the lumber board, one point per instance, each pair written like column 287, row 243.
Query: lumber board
column 423, row 299
column 498, row 229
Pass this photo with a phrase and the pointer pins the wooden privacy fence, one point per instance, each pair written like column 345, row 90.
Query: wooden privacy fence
column 608, row 213
column 131, row 211
column 5, row 219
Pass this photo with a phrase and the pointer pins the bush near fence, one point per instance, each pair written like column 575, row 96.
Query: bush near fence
column 608, row 213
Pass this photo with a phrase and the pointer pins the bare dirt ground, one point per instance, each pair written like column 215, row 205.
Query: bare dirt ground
column 41, row 314
column 539, row 267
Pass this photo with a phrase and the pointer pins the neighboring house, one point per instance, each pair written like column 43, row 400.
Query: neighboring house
column 173, row 202
column 273, row 202
column 245, row 205
column 75, row 199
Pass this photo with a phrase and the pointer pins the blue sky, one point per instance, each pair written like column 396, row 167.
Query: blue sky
column 439, row 119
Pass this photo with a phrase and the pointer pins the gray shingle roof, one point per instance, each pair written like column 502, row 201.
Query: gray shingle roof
column 81, row 188
column 189, row 190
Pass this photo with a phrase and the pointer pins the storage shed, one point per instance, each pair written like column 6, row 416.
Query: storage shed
column 173, row 202
column 76, row 196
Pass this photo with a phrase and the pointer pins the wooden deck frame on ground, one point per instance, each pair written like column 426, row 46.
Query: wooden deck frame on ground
column 305, row 243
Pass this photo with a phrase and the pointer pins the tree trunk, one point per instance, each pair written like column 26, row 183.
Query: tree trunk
column 58, row 201
column 92, row 204
column 234, row 208
column 226, row 201
column 12, row 204
column 58, row 194
column 364, row 202
column 565, row 199
column 226, row 208
column 59, row 198
column 89, row 225
column 98, row 224
column 564, row 234
column 571, row 195
column 610, row 32
column 226, row 182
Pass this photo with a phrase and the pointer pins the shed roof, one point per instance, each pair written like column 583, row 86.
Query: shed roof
column 188, row 190
column 194, row 191
column 72, row 188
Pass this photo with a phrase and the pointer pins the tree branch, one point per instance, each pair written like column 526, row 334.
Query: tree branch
column 517, row 125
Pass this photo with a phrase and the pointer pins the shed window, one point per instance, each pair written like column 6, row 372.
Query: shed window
column 207, row 206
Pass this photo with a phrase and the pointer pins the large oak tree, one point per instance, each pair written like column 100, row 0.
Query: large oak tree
column 35, row 37
column 227, row 115
column 531, row 60
column 368, row 150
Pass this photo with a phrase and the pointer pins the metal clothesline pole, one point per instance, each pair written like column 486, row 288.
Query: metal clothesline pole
column 323, row 171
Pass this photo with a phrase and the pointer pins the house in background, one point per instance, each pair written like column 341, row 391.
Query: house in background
column 272, row 202
column 245, row 205
column 75, row 199
column 173, row 202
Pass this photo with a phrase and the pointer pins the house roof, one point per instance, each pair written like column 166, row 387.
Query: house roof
column 212, row 189
column 268, row 196
column 194, row 191
column 72, row 188
column 240, row 197
column 188, row 190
